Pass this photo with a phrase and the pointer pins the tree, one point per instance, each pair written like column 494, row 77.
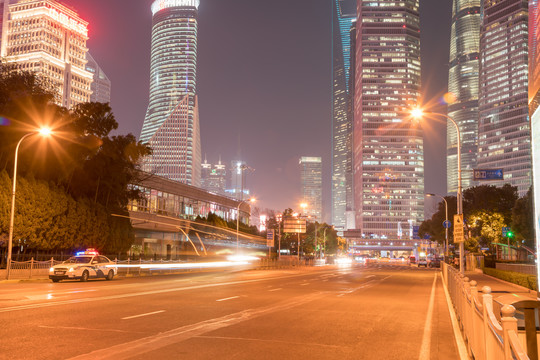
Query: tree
column 523, row 218
column 434, row 226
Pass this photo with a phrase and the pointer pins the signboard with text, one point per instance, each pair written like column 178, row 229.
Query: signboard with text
column 270, row 238
column 458, row 229
column 488, row 174
column 294, row 225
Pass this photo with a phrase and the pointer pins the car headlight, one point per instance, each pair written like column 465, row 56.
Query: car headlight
column 72, row 269
column 51, row 269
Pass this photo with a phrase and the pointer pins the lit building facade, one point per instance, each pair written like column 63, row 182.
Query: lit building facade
column 4, row 16
column 344, row 16
column 388, row 147
column 101, row 86
column 237, row 186
column 311, row 179
column 49, row 39
column 463, row 85
column 171, row 126
column 214, row 177
column 534, row 96
column 504, row 135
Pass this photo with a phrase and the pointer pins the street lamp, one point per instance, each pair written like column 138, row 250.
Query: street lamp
column 418, row 114
column 238, row 221
column 445, row 228
column 45, row 132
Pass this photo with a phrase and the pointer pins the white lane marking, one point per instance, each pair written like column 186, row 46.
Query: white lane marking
column 370, row 276
column 276, row 289
column 325, row 280
column 229, row 298
column 71, row 328
column 175, row 336
column 340, row 295
column 141, row 315
column 462, row 348
column 304, row 284
column 426, row 338
column 143, row 293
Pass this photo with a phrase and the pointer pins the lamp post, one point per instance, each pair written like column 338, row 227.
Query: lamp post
column 43, row 132
column 238, row 221
column 418, row 113
column 446, row 218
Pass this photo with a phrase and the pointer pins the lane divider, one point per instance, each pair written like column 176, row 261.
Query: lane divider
column 141, row 315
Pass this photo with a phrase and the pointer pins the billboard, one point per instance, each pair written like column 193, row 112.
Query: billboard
column 294, row 225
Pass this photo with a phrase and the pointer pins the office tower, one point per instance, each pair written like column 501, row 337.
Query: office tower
column 237, row 187
column 344, row 15
column 534, row 110
column 214, row 177
column 503, row 130
column 463, row 85
column 101, row 86
column 48, row 38
column 311, row 178
column 4, row 16
column 171, row 126
column 388, row 146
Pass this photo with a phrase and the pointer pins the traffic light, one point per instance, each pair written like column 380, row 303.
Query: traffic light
column 510, row 234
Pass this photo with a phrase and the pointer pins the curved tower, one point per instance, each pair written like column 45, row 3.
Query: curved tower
column 463, row 84
column 171, row 126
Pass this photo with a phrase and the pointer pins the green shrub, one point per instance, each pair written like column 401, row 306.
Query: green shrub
column 525, row 280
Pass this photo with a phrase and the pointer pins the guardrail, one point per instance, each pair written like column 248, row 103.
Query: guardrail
column 486, row 337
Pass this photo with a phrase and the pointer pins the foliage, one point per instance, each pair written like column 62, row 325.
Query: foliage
column 434, row 226
column 486, row 227
column 523, row 219
column 525, row 280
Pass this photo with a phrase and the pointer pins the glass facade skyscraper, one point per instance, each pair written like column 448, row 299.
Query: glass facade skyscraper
column 101, row 86
column 344, row 17
column 311, row 178
column 463, row 84
column 172, row 124
column 388, row 147
column 504, row 136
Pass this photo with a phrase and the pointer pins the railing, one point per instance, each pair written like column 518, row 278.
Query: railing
column 520, row 268
column 486, row 337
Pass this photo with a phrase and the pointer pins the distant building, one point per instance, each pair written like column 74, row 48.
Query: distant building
column 388, row 146
column 171, row 125
column 504, row 132
column 214, row 177
column 49, row 39
column 463, row 84
column 101, row 86
column 311, row 179
column 237, row 186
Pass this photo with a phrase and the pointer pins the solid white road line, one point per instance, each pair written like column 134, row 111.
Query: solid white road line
column 229, row 298
column 276, row 289
column 462, row 348
column 304, row 284
column 426, row 339
column 141, row 315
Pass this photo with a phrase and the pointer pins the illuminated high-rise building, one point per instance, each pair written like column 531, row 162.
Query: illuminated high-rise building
column 237, row 186
column 49, row 39
column 388, row 146
column 463, row 86
column 4, row 16
column 101, row 86
column 311, row 179
column 171, row 126
column 504, row 135
column 344, row 16
column 214, row 177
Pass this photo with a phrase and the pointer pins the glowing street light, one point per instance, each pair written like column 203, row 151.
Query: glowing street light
column 252, row 200
column 418, row 114
column 45, row 132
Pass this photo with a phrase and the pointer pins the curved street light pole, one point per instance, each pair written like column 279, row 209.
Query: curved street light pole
column 445, row 228
column 12, row 213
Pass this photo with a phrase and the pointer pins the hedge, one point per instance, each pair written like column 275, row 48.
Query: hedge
column 525, row 280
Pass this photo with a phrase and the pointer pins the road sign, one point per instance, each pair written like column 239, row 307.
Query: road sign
column 458, row 229
column 505, row 231
column 294, row 225
column 488, row 174
column 270, row 238
column 415, row 230
column 447, row 224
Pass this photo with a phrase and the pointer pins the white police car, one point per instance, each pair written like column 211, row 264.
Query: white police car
column 85, row 265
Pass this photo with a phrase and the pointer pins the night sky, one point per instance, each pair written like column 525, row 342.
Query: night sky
column 264, row 83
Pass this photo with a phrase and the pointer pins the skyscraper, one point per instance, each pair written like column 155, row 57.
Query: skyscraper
column 388, row 147
column 214, row 177
column 504, row 137
column 463, row 84
column 343, row 18
column 49, row 39
column 237, row 187
column 101, row 86
column 311, row 179
column 171, row 126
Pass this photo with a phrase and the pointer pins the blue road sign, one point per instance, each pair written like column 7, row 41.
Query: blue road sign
column 415, row 229
column 505, row 231
column 270, row 234
column 488, row 174
column 447, row 224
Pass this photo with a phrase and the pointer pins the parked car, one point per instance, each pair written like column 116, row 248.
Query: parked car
column 422, row 261
column 435, row 262
column 85, row 265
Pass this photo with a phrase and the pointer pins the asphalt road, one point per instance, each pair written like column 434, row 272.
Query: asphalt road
column 377, row 311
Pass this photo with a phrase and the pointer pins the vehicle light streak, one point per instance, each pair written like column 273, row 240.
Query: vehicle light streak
column 217, row 264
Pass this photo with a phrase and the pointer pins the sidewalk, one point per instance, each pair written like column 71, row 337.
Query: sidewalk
column 499, row 287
